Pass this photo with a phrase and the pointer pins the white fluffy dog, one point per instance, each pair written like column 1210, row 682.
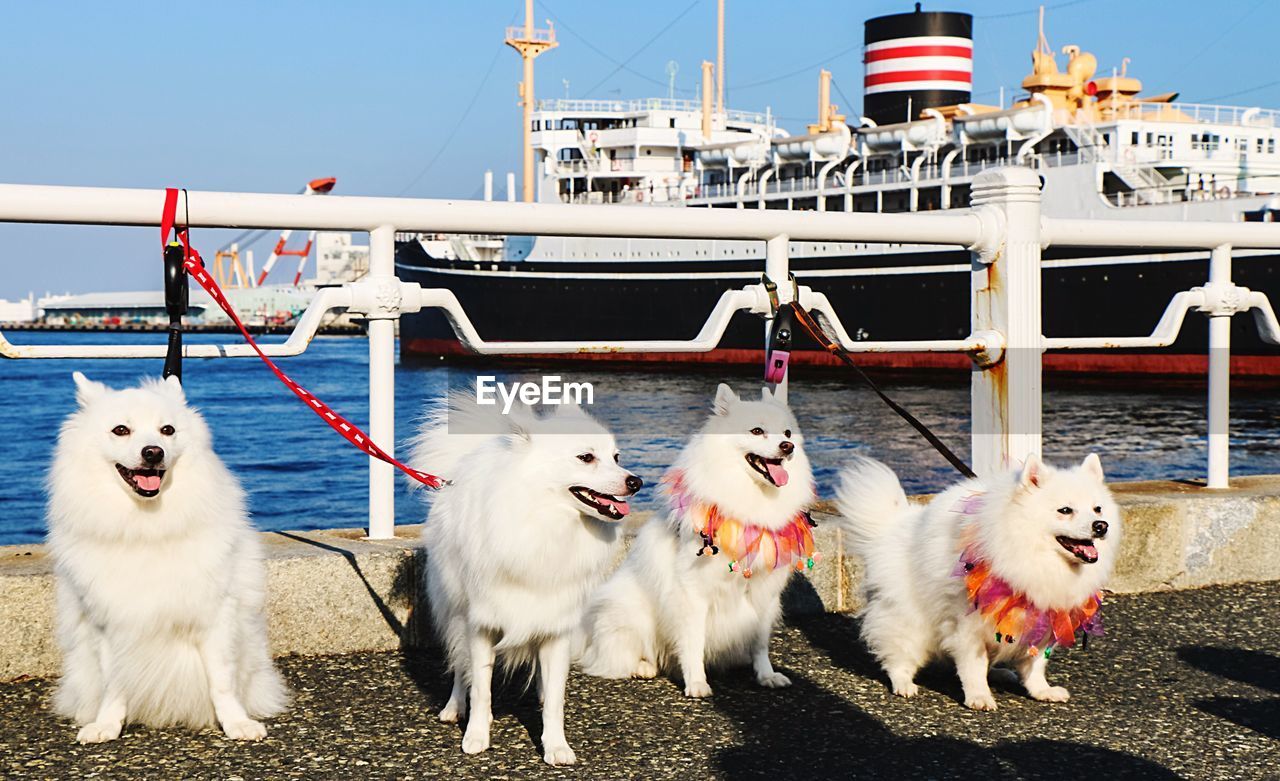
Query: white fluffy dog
column 703, row 587
column 515, row 545
column 1001, row 570
column 159, row 574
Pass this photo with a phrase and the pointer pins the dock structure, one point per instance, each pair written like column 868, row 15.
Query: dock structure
column 1178, row 688
column 355, row 591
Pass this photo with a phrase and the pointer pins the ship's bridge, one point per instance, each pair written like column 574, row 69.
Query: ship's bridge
column 630, row 151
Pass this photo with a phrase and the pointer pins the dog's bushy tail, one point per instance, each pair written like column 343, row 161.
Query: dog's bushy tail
column 870, row 500
column 451, row 430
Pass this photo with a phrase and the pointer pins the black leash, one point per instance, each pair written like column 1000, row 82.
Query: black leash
column 812, row 327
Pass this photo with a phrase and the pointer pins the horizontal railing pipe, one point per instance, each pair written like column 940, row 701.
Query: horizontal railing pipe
column 106, row 206
column 1157, row 234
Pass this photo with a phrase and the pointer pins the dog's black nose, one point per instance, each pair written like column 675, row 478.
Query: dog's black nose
column 1099, row 528
column 786, row 446
column 152, row 454
column 634, row 483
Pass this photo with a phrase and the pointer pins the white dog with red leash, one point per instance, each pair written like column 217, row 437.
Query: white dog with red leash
column 525, row 530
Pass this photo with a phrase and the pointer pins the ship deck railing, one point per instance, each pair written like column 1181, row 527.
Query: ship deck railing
column 586, row 106
column 1004, row 230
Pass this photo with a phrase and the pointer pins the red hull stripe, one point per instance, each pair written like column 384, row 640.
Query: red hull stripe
column 1256, row 366
column 919, row 51
column 901, row 76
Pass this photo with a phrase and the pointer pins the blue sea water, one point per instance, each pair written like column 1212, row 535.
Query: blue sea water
column 300, row 475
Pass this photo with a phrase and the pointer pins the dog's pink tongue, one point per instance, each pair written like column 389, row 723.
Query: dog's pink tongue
column 621, row 507
column 147, row 482
column 1085, row 550
column 777, row 474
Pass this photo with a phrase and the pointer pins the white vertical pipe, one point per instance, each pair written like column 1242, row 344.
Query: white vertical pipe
column 511, row 186
column 1006, row 397
column 777, row 264
column 488, row 185
column 1220, row 374
column 382, row 390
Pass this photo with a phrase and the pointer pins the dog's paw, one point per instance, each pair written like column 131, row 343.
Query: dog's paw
column 1051, row 694
column 98, row 732
column 245, row 729
column 559, row 755
column 906, row 688
column 697, row 689
column 774, row 680
column 984, row 701
column 449, row 713
column 475, row 741
column 645, row 669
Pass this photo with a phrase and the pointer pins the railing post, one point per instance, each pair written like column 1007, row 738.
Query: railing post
column 777, row 264
column 1006, row 298
column 1220, row 373
column 382, row 380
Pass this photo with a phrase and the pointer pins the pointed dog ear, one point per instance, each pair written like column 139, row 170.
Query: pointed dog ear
column 1092, row 466
column 520, row 424
column 1033, row 472
column 725, row 398
column 174, row 386
column 87, row 390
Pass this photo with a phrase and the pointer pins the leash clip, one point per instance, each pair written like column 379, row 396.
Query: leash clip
column 778, row 350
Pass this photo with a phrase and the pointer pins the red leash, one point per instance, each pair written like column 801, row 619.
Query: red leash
column 195, row 267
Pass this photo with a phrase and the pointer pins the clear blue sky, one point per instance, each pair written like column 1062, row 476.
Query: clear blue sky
column 257, row 96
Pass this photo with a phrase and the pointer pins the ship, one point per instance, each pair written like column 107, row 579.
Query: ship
column 1102, row 148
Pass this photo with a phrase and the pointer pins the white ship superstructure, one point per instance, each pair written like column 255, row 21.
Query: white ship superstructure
column 1103, row 149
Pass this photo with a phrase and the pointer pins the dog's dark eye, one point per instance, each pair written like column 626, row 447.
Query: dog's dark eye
column 787, row 433
column 120, row 431
column 587, row 458
column 759, row 432
column 167, row 430
column 1066, row 511
column 1098, row 509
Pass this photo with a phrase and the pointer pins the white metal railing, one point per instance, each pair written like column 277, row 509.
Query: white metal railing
column 1004, row 230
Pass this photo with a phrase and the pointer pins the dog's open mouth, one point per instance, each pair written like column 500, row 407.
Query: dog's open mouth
column 609, row 506
column 1084, row 550
column 144, row 482
column 771, row 468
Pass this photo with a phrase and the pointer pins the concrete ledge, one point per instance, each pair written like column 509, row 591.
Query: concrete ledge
column 335, row 592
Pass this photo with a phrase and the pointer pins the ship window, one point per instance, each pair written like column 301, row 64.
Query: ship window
column 1271, row 146
column 673, row 122
column 1259, row 146
column 1149, row 139
column 1134, row 139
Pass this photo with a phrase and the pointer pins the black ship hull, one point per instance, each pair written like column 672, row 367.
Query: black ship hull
column 883, row 297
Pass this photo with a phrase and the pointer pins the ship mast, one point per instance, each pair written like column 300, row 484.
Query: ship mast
column 529, row 43
column 720, row 58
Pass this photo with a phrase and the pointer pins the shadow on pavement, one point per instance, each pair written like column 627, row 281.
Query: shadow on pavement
column 1256, row 668
column 423, row 659
column 812, row 733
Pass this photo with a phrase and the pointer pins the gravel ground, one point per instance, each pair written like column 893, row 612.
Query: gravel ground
column 1184, row 685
